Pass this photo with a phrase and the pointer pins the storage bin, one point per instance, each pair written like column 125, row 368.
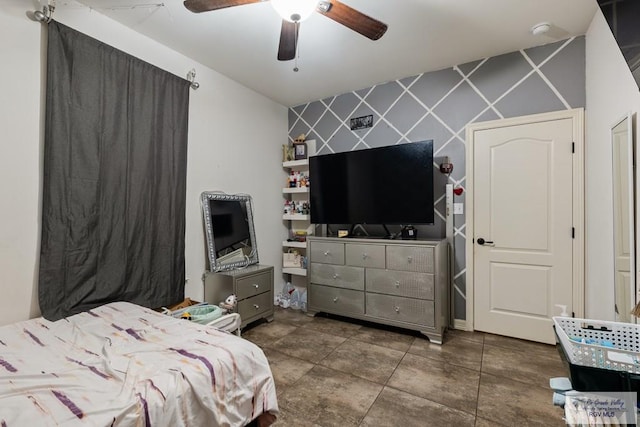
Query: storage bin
column 599, row 355
column 202, row 313
column 205, row 314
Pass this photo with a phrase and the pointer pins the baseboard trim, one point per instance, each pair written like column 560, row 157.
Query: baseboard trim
column 460, row 324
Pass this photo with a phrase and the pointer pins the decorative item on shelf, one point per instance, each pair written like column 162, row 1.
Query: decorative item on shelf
column 291, row 259
column 303, row 180
column 287, row 152
column 288, row 207
column 297, row 179
column 300, row 148
column 298, row 236
column 292, row 207
column 305, row 208
column 292, row 180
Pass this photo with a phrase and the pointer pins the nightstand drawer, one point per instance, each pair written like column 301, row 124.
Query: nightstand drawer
column 337, row 275
column 253, row 285
column 417, row 311
column 410, row 258
column 327, row 252
column 364, row 255
column 255, row 306
column 336, row 300
column 401, row 283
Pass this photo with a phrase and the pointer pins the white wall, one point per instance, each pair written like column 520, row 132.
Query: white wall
column 611, row 94
column 235, row 137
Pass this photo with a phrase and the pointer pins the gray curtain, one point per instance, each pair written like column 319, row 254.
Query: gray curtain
column 113, row 214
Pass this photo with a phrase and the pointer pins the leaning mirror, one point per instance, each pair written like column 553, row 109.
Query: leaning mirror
column 623, row 219
column 228, row 220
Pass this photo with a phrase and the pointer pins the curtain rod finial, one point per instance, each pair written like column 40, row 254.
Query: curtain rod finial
column 191, row 76
column 44, row 15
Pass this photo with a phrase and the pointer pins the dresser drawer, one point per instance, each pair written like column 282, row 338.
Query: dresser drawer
column 410, row 258
column 336, row 300
column 255, row 306
column 327, row 252
column 417, row 311
column 401, row 283
column 253, row 285
column 337, row 275
column 364, row 255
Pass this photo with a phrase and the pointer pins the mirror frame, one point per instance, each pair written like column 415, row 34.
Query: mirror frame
column 250, row 259
column 632, row 228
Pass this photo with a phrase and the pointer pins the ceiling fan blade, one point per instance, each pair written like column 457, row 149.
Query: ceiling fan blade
column 197, row 6
column 351, row 18
column 288, row 41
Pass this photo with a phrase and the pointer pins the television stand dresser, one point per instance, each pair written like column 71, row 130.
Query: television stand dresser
column 401, row 283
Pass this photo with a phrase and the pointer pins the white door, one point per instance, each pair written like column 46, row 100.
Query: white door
column 522, row 227
column 622, row 220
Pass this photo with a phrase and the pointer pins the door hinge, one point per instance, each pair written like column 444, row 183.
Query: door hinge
column 573, row 314
column 573, row 147
column 573, row 232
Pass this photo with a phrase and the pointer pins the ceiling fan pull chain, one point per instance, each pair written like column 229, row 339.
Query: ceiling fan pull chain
column 295, row 66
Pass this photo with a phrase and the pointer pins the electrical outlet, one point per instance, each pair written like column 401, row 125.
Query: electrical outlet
column 458, row 208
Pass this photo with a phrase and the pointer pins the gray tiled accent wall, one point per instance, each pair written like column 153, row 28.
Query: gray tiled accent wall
column 438, row 105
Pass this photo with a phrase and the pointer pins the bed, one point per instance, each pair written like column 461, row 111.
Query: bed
column 126, row 365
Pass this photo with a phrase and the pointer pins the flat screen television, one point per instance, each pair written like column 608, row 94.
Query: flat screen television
column 386, row 185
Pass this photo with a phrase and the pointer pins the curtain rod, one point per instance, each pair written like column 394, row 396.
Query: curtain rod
column 45, row 16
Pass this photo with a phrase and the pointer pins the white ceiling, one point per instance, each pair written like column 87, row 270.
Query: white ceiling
column 424, row 35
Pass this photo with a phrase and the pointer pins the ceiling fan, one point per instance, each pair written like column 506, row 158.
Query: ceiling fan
column 295, row 11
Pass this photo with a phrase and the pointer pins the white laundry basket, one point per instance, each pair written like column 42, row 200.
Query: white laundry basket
column 601, row 355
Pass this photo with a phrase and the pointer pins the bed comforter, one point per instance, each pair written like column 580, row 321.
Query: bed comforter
column 125, row 365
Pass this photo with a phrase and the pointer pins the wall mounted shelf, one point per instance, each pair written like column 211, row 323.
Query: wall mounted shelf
column 296, row 217
column 300, row 245
column 296, row 190
column 295, row 271
column 295, row 163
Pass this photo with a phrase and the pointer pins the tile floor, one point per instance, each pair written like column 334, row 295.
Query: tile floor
column 331, row 371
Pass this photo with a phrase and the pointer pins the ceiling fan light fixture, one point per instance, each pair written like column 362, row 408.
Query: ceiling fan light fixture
column 294, row 10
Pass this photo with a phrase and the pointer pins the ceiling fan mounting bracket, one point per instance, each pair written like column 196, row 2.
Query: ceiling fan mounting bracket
column 324, row 6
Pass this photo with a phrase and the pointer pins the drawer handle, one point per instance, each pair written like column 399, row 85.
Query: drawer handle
column 255, row 285
column 336, row 276
column 327, row 253
column 335, row 299
column 365, row 255
column 397, row 309
column 397, row 283
column 256, row 306
column 409, row 259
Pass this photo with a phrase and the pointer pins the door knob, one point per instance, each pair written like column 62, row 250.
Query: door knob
column 481, row 241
